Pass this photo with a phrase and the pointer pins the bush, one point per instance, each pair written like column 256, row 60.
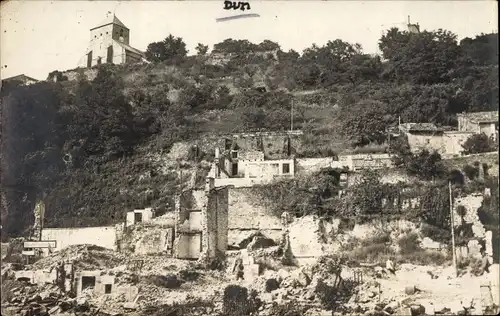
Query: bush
column 238, row 302
column 472, row 264
column 456, row 177
column 435, row 233
column 479, row 143
column 409, row 244
column 471, row 172
column 425, row 165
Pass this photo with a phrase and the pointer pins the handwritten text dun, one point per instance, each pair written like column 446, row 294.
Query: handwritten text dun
column 228, row 5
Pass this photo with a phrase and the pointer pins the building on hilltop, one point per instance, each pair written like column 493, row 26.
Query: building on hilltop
column 413, row 28
column 479, row 122
column 109, row 43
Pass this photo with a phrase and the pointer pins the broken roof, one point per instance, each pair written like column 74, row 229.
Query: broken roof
column 419, row 127
column 111, row 19
column 481, row 117
column 21, row 77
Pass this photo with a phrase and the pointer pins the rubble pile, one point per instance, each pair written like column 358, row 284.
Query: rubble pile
column 85, row 257
column 33, row 300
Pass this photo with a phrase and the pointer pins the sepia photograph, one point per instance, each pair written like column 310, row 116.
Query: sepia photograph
column 249, row 158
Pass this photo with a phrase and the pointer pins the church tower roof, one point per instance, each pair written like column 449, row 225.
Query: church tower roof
column 110, row 19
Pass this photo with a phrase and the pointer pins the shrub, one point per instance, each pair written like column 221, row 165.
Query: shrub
column 409, row 243
column 425, row 165
column 238, row 302
column 456, row 177
column 472, row 264
column 424, row 257
column 189, row 275
column 471, row 172
column 479, row 143
column 435, row 233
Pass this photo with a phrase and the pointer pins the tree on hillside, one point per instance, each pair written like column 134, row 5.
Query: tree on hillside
column 171, row 50
column 425, row 58
column 482, row 50
column 234, row 46
column 268, row 45
column 393, row 42
column 32, row 141
column 425, row 165
column 201, row 49
column 365, row 122
column 103, row 121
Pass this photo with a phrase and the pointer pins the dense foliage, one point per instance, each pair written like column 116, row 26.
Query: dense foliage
column 81, row 145
column 480, row 143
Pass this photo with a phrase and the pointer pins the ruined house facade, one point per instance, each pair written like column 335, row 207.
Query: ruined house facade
column 448, row 142
column 252, row 158
column 427, row 136
column 201, row 229
column 479, row 122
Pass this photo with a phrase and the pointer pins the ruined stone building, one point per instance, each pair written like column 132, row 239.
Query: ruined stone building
column 479, row 122
column 201, row 229
column 109, row 43
column 448, row 141
column 428, row 136
column 252, row 158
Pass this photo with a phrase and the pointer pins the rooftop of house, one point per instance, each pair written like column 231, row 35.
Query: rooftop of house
column 419, row 127
column 110, row 19
column 130, row 48
column 481, row 117
column 21, row 77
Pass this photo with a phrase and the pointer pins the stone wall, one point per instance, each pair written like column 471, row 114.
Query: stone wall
column 306, row 239
column 87, row 73
column 447, row 144
column 148, row 239
column 104, row 236
column 215, row 226
column 311, row 165
column 248, row 212
column 101, row 280
column 365, row 161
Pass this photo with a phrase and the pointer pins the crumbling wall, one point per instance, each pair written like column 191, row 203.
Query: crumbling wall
column 87, row 73
column 39, row 277
column 101, row 280
column 104, row 236
column 306, row 239
column 472, row 203
column 310, row 165
column 149, row 239
column 247, row 211
column 215, row 226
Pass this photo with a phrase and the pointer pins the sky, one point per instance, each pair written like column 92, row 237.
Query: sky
column 40, row 36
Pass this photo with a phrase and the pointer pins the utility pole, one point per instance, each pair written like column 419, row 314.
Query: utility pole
column 452, row 231
column 291, row 118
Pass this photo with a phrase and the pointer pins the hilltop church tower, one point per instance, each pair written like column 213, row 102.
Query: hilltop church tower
column 109, row 43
